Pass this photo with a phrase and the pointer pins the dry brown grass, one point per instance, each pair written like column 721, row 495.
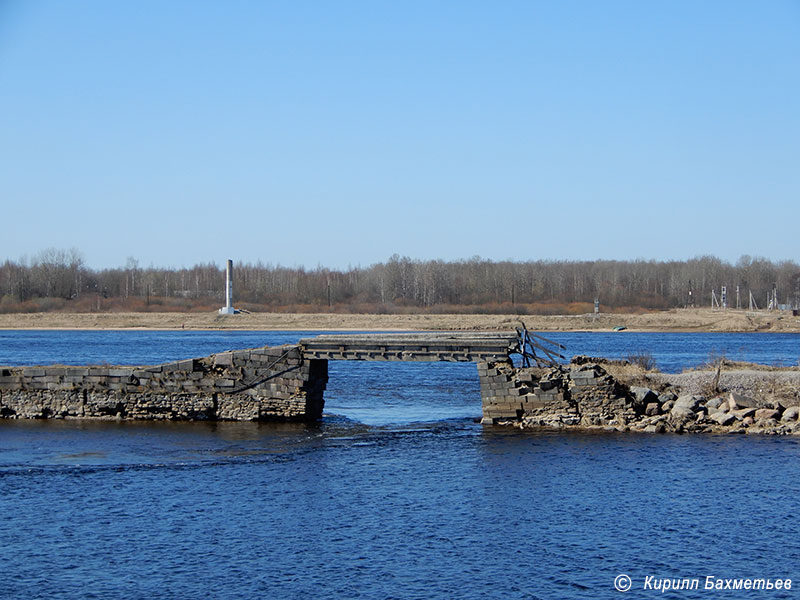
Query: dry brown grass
column 172, row 318
column 725, row 364
column 787, row 392
column 721, row 369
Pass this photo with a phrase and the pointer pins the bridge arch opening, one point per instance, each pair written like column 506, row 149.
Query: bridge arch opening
column 382, row 393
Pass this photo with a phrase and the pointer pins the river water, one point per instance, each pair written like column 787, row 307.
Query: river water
column 397, row 493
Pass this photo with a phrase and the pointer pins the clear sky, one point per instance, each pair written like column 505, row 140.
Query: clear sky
column 336, row 133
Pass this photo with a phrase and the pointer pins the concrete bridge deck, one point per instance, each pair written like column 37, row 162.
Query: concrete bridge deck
column 445, row 346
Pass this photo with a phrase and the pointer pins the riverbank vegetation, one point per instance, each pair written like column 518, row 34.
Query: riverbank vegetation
column 60, row 280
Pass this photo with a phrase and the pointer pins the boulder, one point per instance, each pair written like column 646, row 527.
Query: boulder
column 743, row 413
column 643, row 395
column 652, row 409
column 681, row 414
column 714, row 404
column 667, row 406
column 791, row 414
column 688, row 401
column 667, row 397
column 747, row 421
column 722, row 418
column 766, row 413
column 737, row 401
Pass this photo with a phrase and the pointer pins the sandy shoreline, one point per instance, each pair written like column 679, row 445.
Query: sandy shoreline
column 683, row 320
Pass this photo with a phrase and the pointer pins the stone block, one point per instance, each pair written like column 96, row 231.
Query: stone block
column 533, row 403
column 224, row 359
column 549, row 396
column 173, row 367
column 33, row 372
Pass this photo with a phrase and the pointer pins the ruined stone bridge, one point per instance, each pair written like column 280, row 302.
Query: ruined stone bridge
column 282, row 382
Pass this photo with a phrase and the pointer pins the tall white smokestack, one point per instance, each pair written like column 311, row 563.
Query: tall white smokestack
column 228, row 309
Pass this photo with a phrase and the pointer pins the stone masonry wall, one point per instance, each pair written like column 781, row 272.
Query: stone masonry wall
column 258, row 384
column 579, row 395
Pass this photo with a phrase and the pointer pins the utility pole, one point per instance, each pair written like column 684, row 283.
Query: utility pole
column 753, row 305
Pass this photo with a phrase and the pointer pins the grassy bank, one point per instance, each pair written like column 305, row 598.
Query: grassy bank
column 671, row 320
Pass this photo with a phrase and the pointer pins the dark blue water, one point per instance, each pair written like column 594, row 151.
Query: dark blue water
column 671, row 351
column 397, row 493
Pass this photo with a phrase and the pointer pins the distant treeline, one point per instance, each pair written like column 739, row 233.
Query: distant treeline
column 60, row 280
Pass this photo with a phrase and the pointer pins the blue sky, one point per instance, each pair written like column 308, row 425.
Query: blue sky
column 340, row 133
